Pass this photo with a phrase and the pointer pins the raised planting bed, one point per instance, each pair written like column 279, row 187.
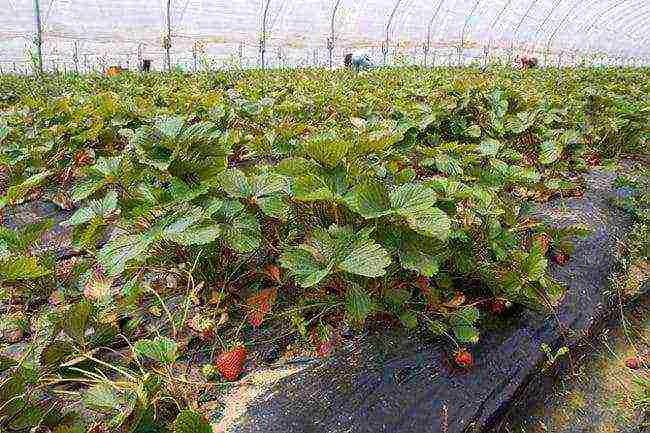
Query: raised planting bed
column 402, row 383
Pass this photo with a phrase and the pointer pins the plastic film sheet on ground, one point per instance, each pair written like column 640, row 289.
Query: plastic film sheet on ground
column 93, row 34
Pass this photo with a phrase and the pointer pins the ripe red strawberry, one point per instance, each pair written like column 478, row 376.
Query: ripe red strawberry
column 463, row 358
column 632, row 363
column 424, row 284
column 560, row 258
column 577, row 193
column 83, row 157
column 230, row 363
column 324, row 348
column 593, row 159
column 207, row 334
column 497, row 306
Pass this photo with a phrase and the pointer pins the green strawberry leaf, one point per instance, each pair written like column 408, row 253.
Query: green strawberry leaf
column 275, row 206
column 17, row 193
column 55, row 353
column 161, row 349
column 466, row 334
column 122, row 249
column 357, row 304
column 101, row 397
column 489, row 147
column 550, row 152
column 473, row 131
column 409, row 319
column 335, row 249
column 76, row 322
column 189, row 421
column 234, row 183
column 16, row 268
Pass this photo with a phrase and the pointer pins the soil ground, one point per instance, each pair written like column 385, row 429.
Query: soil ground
column 598, row 393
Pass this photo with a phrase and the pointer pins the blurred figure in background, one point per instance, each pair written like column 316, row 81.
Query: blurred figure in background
column 358, row 61
column 525, row 62
column 145, row 65
column 113, row 71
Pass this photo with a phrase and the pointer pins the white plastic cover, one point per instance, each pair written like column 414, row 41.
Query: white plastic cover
column 90, row 34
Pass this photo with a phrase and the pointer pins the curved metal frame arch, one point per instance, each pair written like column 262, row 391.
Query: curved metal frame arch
column 586, row 29
column 405, row 14
column 514, row 33
column 384, row 46
column 462, row 32
column 427, row 45
column 625, row 29
column 637, row 40
column 168, row 40
column 646, row 42
column 444, row 24
column 540, row 28
column 38, row 40
column 561, row 23
column 496, row 20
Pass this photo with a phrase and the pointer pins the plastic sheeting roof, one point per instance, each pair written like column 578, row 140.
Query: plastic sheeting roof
column 296, row 32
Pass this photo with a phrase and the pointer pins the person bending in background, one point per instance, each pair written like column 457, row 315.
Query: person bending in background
column 527, row 62
column 357, row 61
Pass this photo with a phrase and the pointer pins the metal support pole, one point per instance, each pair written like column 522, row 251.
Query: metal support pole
column 330, row 49
column 263, row 37
column 168, row 38
column 76, row 56
column 332, row 39
column 386, row 43
column 241, row 54
column 39, row 37
column 462, row 33
column 428, row 42
column 426, row 53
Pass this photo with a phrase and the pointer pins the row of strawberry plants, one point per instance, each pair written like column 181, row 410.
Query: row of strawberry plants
column 379, row 194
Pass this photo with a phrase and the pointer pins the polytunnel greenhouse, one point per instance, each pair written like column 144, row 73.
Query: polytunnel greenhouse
column 324, row 216
column 85, row 35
